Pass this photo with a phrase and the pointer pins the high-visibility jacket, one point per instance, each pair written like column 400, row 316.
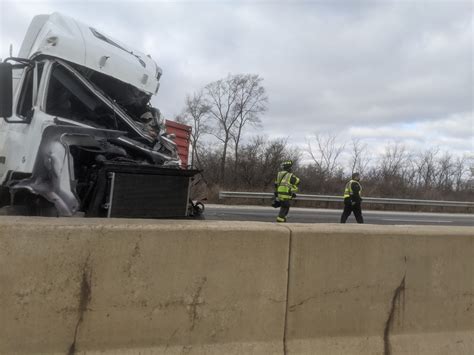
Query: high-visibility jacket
column 286, row 184
column 352, row 191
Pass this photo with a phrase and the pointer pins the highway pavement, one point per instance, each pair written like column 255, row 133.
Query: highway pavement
column 310, row 215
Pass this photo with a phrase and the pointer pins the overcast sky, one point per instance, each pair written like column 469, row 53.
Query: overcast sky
column 381, row 71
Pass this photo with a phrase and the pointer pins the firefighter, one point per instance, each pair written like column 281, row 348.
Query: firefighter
column 352, row 199
column 286, row 186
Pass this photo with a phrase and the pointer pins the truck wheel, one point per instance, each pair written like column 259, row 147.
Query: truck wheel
column 196, row 210
column 199, row 208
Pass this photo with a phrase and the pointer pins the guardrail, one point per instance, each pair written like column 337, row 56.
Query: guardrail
column 326, row 198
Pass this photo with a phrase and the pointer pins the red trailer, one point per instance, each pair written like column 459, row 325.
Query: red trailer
column 183, row 135
column 182, row 140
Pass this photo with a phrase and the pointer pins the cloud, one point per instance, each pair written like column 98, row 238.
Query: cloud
column 454, row 133
column 380, row 70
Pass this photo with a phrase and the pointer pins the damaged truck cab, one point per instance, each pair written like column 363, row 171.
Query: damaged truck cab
column 78, row 135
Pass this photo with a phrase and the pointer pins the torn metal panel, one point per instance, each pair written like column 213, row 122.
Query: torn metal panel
column 80, row 89
column 53, row 174
column 147, row 128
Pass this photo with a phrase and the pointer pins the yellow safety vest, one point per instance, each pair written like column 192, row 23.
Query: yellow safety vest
column 284, row 186
column 348, row 190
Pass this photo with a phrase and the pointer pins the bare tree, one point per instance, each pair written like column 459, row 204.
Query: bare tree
column 359, row 158
column 445, row 170
column 196, row 114
column 395, row 170
column 325, row 153
column 426, row 168
column 248, row 172
column 221, row 97
column 233, row 103
column 461, row 172
column 251, row 102
column 393, row 160
column 260, row 160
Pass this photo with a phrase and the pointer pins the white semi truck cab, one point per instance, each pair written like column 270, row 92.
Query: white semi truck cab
column 78, row 135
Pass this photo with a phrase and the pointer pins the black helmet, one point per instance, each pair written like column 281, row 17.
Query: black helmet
column 287, row 164
column 355, row 176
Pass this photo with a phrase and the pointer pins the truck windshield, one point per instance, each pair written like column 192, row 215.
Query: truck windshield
column 69, row 98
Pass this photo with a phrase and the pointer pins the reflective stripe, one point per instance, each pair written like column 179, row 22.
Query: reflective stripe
column 295, row 186
column 280, row 176
column 348, row 190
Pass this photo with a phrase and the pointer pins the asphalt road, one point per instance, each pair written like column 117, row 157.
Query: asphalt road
column 309, row 215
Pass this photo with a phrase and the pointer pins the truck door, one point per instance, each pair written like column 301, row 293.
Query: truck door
column 22, row 131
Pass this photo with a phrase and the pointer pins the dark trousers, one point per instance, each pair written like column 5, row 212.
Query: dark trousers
column 348, row 209
column 284, row 209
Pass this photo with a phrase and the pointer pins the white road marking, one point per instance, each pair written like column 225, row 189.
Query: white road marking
column 415, row 220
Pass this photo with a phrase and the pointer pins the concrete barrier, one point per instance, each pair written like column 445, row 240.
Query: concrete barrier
column 74, row 286
column 84, row 286
column 381, row 290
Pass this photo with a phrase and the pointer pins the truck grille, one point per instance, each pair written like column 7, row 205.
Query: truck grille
column 129, row 190
column 148, row 196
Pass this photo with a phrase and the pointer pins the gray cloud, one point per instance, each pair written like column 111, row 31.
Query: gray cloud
column 366, row 68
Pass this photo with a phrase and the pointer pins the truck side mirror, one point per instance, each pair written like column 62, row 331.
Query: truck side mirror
column 6, row 83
